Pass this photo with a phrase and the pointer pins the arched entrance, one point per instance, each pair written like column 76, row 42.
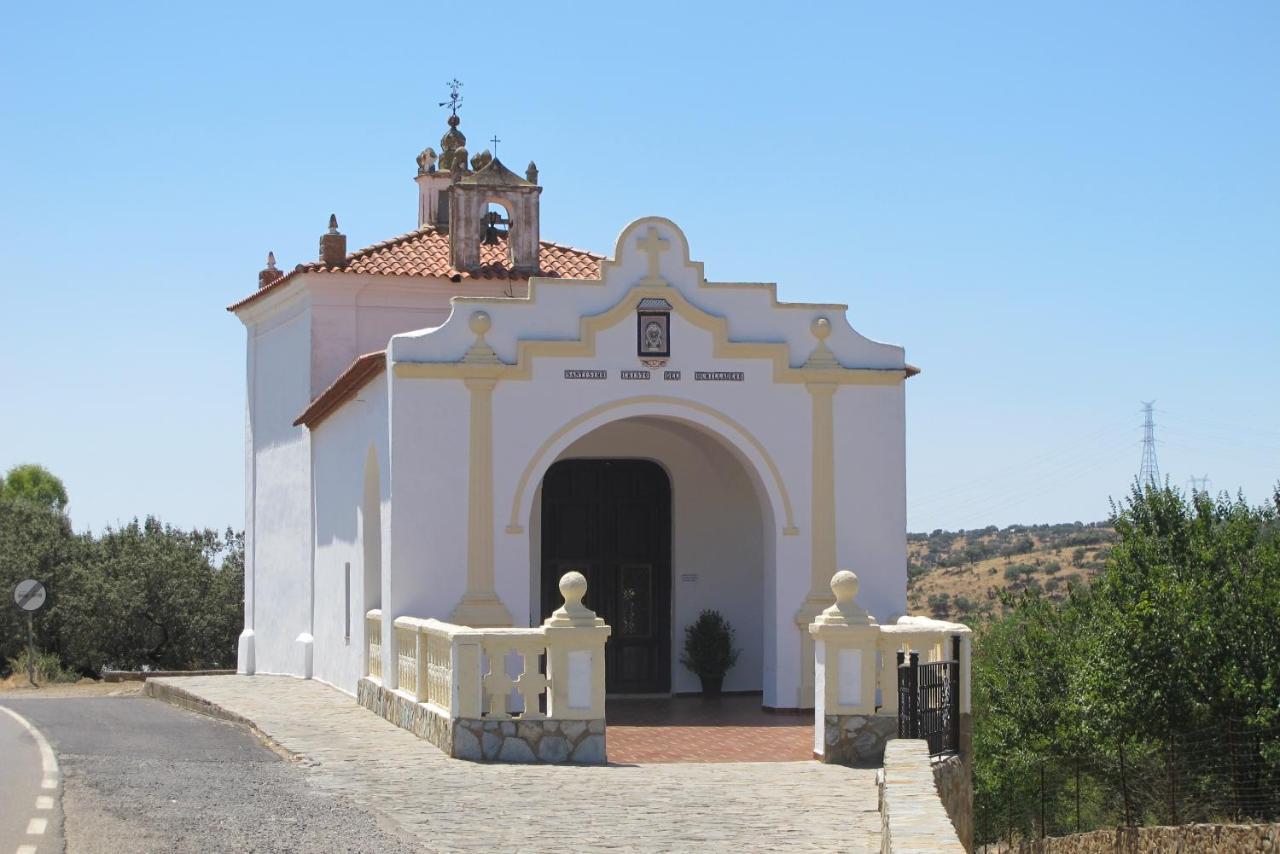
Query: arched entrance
column 610, row 519
column 666, row 518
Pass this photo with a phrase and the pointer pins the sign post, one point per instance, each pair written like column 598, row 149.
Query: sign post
column 29, row 595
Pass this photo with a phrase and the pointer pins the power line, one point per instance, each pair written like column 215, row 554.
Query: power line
column 1149, row 469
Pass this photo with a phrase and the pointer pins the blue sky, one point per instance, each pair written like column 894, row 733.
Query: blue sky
column 1058, row 212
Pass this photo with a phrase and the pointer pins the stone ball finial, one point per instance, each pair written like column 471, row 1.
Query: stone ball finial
column 573, row 586
column 845, row 585
column 480, row 322
column 821, row 328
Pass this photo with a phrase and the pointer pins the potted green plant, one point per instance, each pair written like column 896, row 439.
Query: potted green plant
column 708, row 650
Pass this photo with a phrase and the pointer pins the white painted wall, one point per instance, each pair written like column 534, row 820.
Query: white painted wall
column 348, row 529
column 278, row 548
column 871, row 497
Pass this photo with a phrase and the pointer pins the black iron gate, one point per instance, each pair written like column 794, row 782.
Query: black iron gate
column 929, row 700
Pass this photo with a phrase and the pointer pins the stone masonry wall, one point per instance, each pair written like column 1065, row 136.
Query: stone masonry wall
column 954, row 781
column 912, row 817
column 1198, row 838
column 533, row 741
column 857, row 739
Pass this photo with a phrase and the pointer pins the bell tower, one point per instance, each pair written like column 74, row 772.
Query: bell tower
column 478, row 202
column 472, row 223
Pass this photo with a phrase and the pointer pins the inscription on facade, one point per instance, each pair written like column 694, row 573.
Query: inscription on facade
column 719, row 376
column 586, row 375
column 635, row 375
column 671, row 375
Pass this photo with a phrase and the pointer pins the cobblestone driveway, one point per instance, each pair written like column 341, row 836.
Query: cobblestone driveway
column 453, row 805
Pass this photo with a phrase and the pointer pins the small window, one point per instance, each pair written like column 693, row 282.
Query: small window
column 346, row 597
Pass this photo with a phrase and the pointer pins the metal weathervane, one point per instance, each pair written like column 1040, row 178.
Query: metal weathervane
column 455, row 100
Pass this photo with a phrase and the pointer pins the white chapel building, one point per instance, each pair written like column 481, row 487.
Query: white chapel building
column 443, row 424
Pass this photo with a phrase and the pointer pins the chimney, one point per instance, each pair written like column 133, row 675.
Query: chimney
column 333, row 246
column 269, row 274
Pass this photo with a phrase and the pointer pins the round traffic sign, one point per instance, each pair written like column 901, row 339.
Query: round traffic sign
column 29, row 594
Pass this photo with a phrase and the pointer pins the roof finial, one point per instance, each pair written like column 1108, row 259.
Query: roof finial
column 495, row 142
column 269, row 274
column 333, row 223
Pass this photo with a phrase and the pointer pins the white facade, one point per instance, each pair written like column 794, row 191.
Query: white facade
column 419, row 490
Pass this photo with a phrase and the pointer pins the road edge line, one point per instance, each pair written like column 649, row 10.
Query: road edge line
column 48, row 759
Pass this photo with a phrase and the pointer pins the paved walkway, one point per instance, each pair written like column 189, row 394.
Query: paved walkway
column 732, row 728
column 453, row 805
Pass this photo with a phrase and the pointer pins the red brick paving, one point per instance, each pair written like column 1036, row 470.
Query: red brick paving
column 693, row 729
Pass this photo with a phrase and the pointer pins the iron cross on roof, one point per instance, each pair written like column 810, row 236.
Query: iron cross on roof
column 455, row 100
column 495, row 142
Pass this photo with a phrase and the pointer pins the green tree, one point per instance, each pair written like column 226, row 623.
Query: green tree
column 1152, row 696
column 157, row 597
column 36, row 541
column 34, row 483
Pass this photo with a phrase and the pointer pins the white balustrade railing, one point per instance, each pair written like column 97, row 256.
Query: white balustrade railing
column 406, row 658
column 373, row 644
column 555, row 670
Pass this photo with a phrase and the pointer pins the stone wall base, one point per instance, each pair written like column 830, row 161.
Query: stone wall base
column 1200, row 838
column 857, row 739
column 951, row 774
column 535, row 741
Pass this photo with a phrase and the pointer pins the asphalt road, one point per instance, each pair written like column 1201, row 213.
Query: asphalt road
column 140, row 775
column 30, row 818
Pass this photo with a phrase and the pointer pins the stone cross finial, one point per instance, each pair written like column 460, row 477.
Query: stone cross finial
column 653, row 245
column 573, row 586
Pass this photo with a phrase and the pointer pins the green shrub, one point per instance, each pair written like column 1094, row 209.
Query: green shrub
column 48, row 668
column 708, row 645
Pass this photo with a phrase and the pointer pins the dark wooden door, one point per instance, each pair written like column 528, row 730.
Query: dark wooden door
column 611, row 521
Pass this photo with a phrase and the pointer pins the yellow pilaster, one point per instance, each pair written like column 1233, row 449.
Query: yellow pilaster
column 480, row 606
column 822, row 528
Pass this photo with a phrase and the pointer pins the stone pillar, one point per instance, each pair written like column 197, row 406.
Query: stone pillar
column 575, row 655
column 847, row 729
column 480, row 606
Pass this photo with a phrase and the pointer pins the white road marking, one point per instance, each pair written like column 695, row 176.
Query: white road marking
column 49, row 765
column 48, row 761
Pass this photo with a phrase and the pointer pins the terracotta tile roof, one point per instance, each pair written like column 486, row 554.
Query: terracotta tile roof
column 362, row 371
column 425, row 252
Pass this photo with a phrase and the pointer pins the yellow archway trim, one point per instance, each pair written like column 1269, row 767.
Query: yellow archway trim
column 589, row 327
column 515, row 527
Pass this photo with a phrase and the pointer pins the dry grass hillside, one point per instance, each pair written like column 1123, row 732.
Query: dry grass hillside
column 955, row 574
